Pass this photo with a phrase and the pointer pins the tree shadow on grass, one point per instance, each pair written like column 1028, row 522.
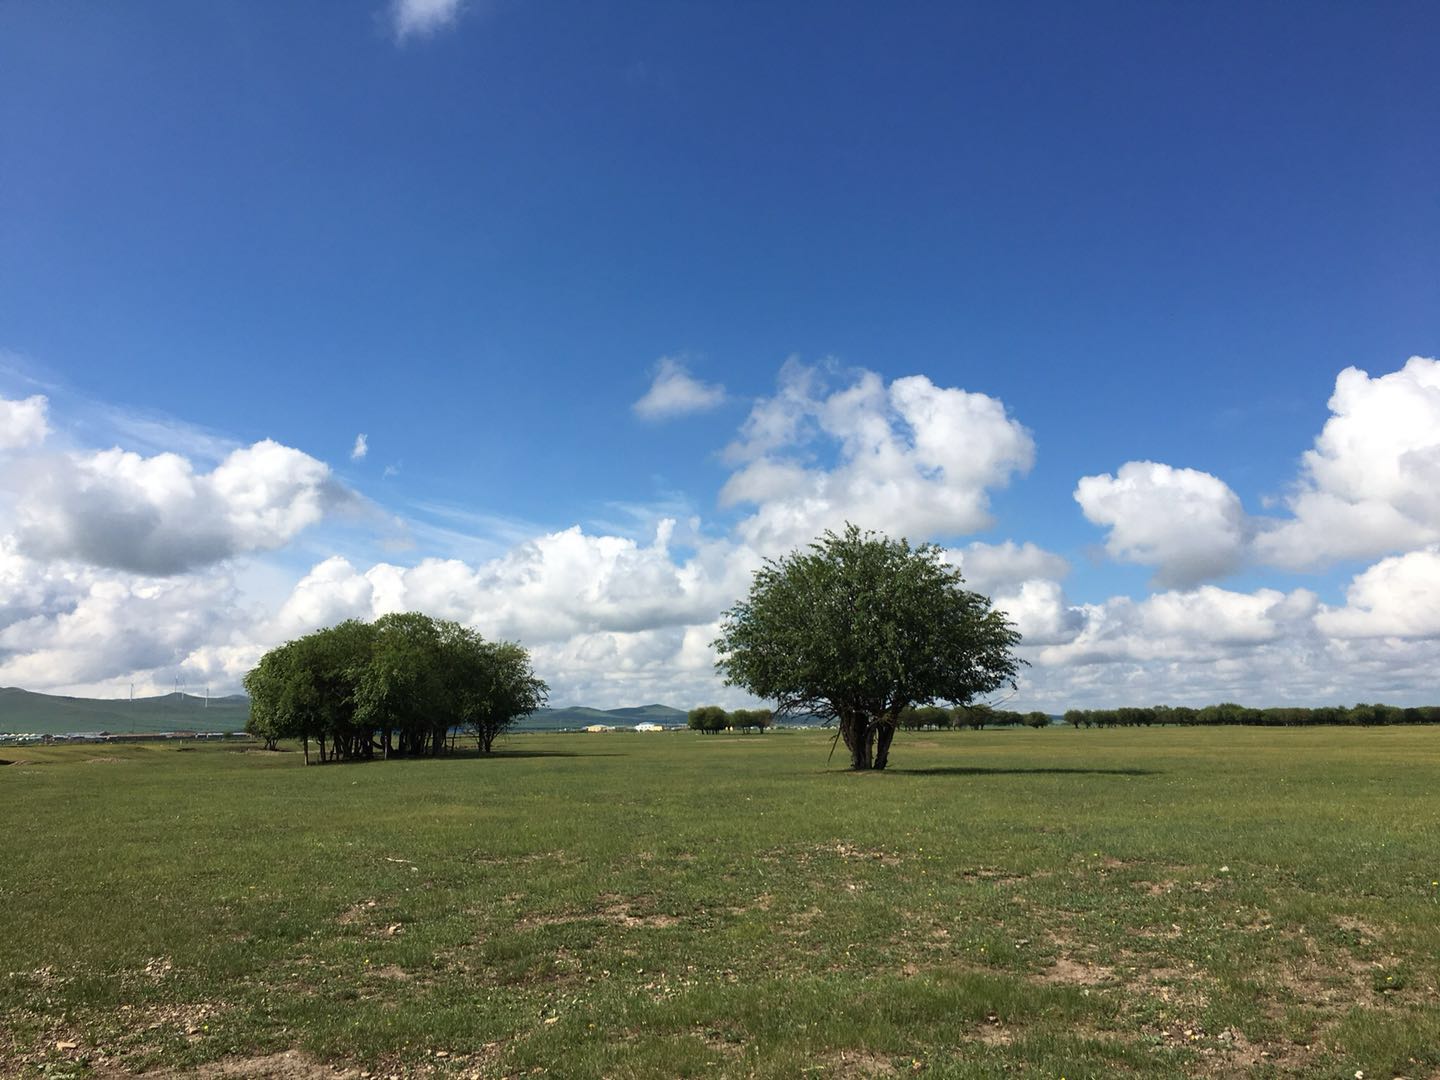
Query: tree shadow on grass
column 981, row 770
column 535, row 754
column 470, row 754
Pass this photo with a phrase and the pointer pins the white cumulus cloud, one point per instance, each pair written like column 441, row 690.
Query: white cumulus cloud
column 1397, row 597
column 1186, row 523
column 988, row 567
column 911, row 458
column 23, row 423
column 675, row 392
column 89, row 630
column 547, row 589
column 1040, row 612
column 1371, row 483
column 158, row 515
column 361, row 447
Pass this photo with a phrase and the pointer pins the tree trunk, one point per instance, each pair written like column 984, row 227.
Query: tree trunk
column 882, row 746
column 860, row 742
column 307, row 749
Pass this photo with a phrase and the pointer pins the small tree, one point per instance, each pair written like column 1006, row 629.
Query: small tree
column 860, row 627
column 748, row 720
column 270, row 719
column 975, row 717
column 491, row 684
column 708, row 718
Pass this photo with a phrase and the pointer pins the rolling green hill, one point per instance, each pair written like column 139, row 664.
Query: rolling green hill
column 23, row 711
column 48, row 714
column 579, row 716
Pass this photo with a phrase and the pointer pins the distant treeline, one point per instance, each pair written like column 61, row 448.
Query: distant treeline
column 974, row 717
column 1230, row 713
column 712, row 719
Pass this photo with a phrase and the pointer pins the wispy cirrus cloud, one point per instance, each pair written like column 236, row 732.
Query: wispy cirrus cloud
column 421, row 18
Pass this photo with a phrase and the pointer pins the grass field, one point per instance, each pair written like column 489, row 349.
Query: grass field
column 1214, row 902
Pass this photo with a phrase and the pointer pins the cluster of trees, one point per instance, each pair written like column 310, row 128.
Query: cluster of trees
column 713, row 718
column 400, row 686
column 857, row 629
column 1229, row 713
column 975, row 717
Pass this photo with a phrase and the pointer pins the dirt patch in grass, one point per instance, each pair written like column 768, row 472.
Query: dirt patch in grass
column 1367, row 931
column 994, row 1035
column 364, row 915
column 1330, row 978
column 289, row 1065
column 856, row 1064
column 850, row 851
column 103, row 1043
column 1176, row 988
column 357, row 913
column 558, row 858
column 616, row 912
column 621, row 914
column 391, row 973
column 1230, row 1053
column 727, row 1040
column 1066, row 971
column 760, row 903
column 998, row 876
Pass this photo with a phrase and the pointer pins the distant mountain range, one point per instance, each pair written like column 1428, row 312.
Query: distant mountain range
column 23, row 711
column 579, row 716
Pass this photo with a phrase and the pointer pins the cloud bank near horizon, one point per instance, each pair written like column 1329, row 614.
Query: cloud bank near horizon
column 116, row 567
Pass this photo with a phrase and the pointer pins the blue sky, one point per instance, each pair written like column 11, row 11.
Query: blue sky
column 1099, row 236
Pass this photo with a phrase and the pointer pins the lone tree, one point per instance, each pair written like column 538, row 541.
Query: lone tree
column 858, row 628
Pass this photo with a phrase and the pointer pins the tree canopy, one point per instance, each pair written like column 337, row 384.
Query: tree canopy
column 857, row 628
column 398, row 686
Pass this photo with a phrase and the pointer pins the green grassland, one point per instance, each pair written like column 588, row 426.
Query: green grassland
column 1213, row 902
